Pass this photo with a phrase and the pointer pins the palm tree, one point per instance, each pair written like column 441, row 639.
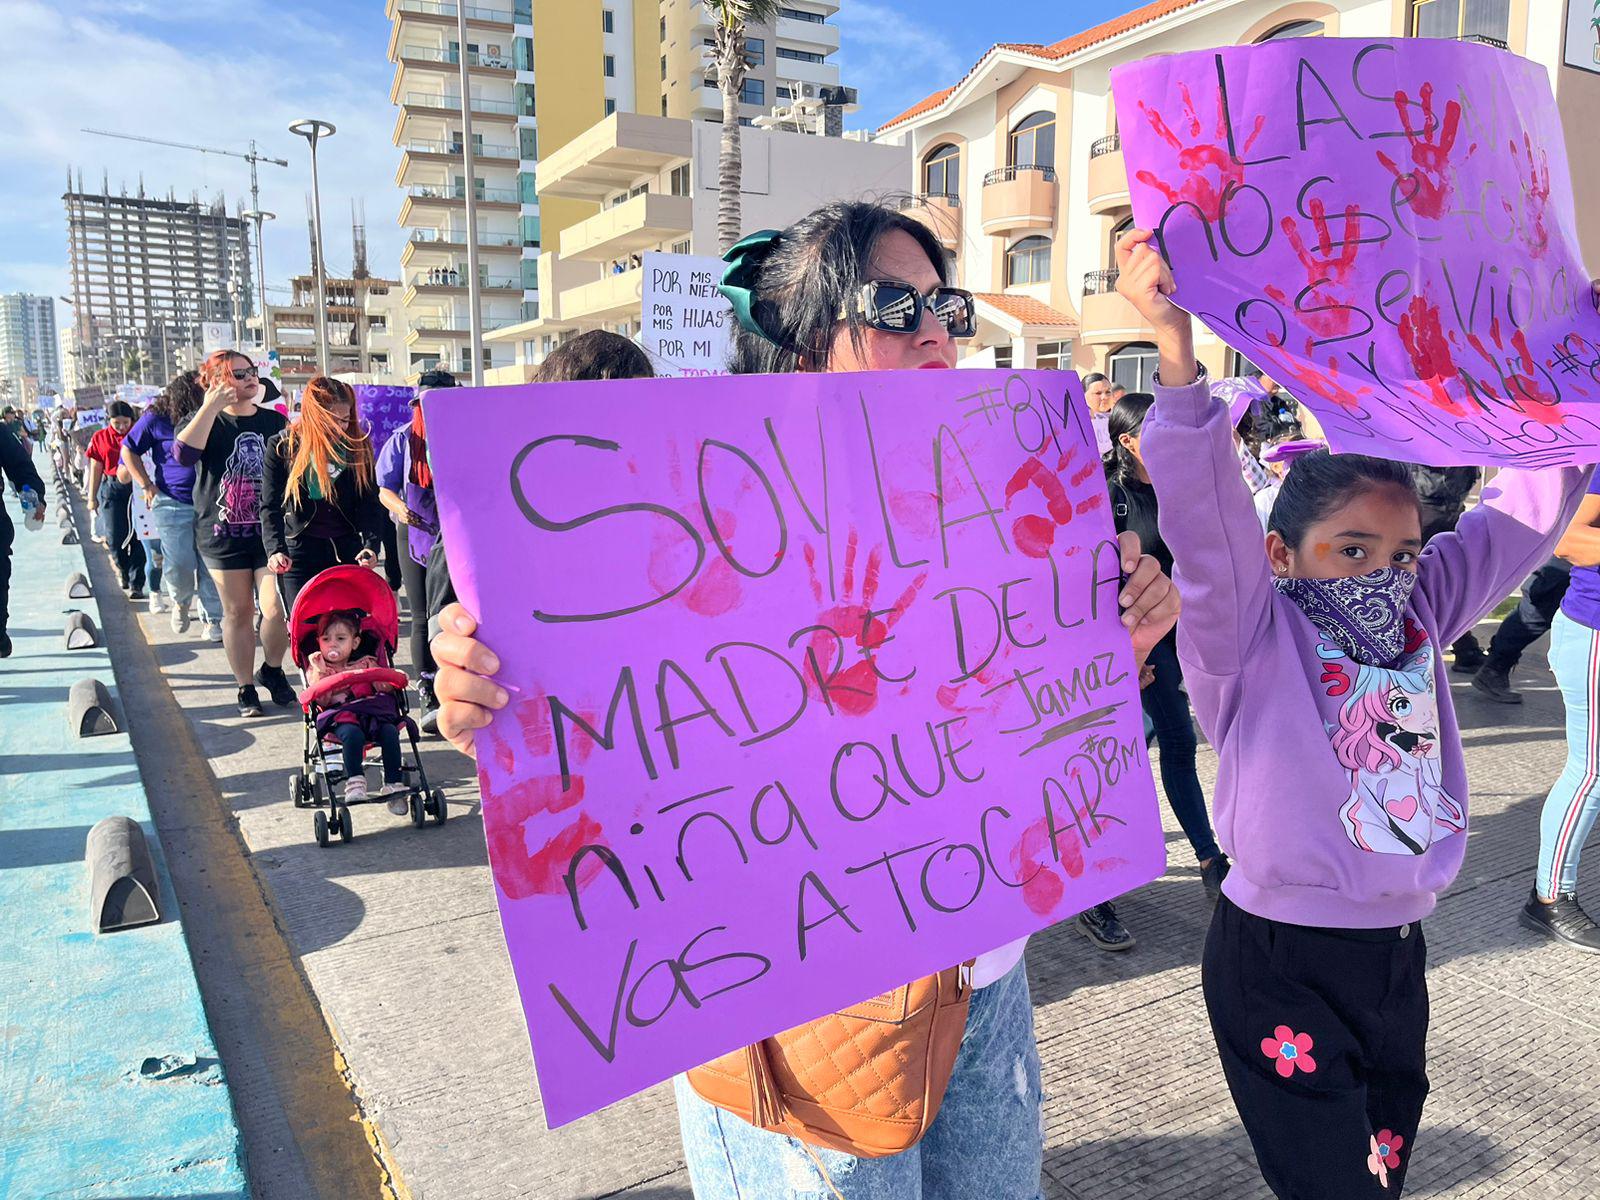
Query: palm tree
column 134, row 363
column 729, row 19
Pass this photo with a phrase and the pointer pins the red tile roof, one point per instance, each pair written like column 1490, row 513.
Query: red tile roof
column 1025, row 309
column 1056, row 50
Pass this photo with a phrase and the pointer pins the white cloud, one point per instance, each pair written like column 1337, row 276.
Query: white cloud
column 203, row 72
column 891, row 59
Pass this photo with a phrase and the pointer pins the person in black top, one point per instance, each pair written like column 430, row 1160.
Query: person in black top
column 1443, row 492
column 319, row 503
column 18, row 468
column 1133, row 505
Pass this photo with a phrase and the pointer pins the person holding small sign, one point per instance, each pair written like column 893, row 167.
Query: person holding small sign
column 857, row 287
column 1313, row 970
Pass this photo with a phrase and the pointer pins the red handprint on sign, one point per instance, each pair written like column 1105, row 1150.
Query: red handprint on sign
column 1518, row 373
column 1199, row 157
column 1430, row 159
column 1034, row 534
column 1422, row 334
column 1322, row 381
column 1535, row 197
column 1326, row 269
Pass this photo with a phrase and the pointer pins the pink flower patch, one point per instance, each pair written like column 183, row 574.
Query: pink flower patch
column 1384, row 1153
column 1290, row 1051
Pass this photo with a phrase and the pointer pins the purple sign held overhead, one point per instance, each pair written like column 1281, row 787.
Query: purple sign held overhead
column 382, row 410
column 822, row 688
column 1387, row 229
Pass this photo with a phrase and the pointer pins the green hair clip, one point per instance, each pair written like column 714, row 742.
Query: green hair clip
column 744, row 259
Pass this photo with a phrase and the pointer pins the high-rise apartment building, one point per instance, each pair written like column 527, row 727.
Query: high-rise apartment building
column 146, row 272
column 589, row 59
column 29, row 348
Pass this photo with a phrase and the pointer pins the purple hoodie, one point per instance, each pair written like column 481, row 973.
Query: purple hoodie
column 1341, row 789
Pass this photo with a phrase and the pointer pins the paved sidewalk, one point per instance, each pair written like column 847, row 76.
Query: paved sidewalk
column 397, row 935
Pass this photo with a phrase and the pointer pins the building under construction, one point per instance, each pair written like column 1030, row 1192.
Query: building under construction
column 146, row 273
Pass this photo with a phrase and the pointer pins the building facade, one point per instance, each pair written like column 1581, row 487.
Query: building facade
column 146, row 273
column 30, row 353
column 590, row 58
column 359, row 312
column 1018, row 165
column 651, row 183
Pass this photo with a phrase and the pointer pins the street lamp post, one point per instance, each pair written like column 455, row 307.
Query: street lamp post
column 474, row 323
column 259, row 217
column 311, row 129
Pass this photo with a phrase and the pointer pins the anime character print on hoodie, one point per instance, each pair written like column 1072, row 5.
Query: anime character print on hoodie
column 1341, row 796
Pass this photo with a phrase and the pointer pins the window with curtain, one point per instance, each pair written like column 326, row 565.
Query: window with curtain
column 1133, row 366
column 1487, row 19
column 1028, row 262
column 1033, row 142
column 941, row 171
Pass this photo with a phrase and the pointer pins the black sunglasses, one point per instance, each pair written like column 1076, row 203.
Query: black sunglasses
column 898, row 307
column 247, row 373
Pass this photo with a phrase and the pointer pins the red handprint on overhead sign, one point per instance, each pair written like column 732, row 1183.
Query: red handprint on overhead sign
column 1326, row 270
column 1430, row 159
column 1198, row 157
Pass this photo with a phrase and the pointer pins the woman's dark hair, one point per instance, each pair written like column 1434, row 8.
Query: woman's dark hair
column 1096, row 377
column 1319, row 483
column 598, row 354
column 810, row 274
column 119, row 408
column 436, row 377
column 180, row 399
column 1127, row 416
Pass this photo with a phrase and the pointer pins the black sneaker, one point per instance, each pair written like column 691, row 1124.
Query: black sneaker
column 136, row 593
column 276, row 683
column 428, row 703
column 1565, row 921
column 5, row 645
column 1495, row 684
column 249, row 702
column 1212, row 875
column 1100, row 926
column 1469, row 656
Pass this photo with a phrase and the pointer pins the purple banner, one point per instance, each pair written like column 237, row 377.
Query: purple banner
column 821, row 688
column 382, row 410
column 1387, row 229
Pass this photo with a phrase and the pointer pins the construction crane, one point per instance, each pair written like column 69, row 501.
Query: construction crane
column 252, row 158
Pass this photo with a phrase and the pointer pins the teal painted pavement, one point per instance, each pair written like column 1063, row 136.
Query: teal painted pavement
column 109, row 1081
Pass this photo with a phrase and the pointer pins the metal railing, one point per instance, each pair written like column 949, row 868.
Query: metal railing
column 1483, row 39
column 436, row 325
column 457, row 238
column 1109, row 144
column 457, row 278
column 1008, row 174
column 435, row 8
column 453, row 103
column 430, row 146
column 475, row 58
column 950, row 198
column 1100, row 283
column 445, row 191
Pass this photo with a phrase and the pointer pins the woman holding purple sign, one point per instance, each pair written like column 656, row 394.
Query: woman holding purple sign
column 858, row 287
column 405, row 488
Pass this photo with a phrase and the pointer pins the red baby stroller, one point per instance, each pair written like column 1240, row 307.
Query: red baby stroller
column 366, row 598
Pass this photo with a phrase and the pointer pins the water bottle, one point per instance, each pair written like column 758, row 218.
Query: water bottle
column 34, row 509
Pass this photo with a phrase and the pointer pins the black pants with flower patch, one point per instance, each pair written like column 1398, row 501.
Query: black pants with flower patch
column 1322, row 1034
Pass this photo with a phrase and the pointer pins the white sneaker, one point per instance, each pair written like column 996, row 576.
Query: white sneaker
column 355, row 789
column 213, row 631
column 399, row 804
column 180, row 618
column 158, row 603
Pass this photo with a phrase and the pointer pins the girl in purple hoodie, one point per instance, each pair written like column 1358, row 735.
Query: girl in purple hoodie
column 1318, row 662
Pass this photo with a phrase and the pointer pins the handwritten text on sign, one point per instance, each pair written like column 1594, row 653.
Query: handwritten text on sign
column 687, row 325
column 823, row 689
column 1387, row 229
column 382, row 409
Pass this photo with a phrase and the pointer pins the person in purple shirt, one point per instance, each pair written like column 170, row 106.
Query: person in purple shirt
column 169, row 491
column 405, row 488
column 1315, row 669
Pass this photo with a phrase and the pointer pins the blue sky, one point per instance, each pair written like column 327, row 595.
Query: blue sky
column 220, row 72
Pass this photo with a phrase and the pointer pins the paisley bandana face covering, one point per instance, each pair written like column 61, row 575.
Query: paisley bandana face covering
column 1364, row 614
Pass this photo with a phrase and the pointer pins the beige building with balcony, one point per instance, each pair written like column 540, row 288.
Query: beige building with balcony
column 1018, row 165
column 651, row 184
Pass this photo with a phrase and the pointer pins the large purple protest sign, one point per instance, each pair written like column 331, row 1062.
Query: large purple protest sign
column 822, row 688
column 382, row 410
column 1386, row 228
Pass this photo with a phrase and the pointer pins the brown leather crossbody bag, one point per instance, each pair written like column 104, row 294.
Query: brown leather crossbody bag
column 867, row 1080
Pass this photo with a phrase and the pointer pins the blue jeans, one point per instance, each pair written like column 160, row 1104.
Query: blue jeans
column 987, row 1140
column 153, row 560
column 182, row 573
column 1168, row 711
column 1574, row 801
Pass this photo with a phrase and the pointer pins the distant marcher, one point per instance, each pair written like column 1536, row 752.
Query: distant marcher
column 1443, row 492
column 1097, row 394
column 109, row 496
column 19, row 469
column 1530, row 620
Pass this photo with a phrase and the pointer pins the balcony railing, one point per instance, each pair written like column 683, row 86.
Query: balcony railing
column 459, row 238
column 436, row 325
column 429, row 146
column 1100, row 283
column 1482, row 39
column 1109, row 144
column 435, row 8
column 949, row 198
column 458, row 279
column 475, row 58
column 443, row 191
column 453, row 103
column 1008, row 174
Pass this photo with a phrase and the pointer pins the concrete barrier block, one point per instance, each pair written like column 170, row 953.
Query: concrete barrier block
column 80, row 631
column 64, row 520
column 78, row 586
column 69, row 537
column 90, row 710
column 122, row 876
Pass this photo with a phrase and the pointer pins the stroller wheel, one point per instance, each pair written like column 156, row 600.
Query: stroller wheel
column 297, row 789
column 436, row 806
column 319, row 826
column 347, row 829
column 418, row 816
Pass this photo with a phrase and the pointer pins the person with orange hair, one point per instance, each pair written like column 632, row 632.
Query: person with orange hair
column 226, row 444
column 319, row 504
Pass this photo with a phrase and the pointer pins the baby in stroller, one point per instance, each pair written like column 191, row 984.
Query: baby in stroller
column 367, row 711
